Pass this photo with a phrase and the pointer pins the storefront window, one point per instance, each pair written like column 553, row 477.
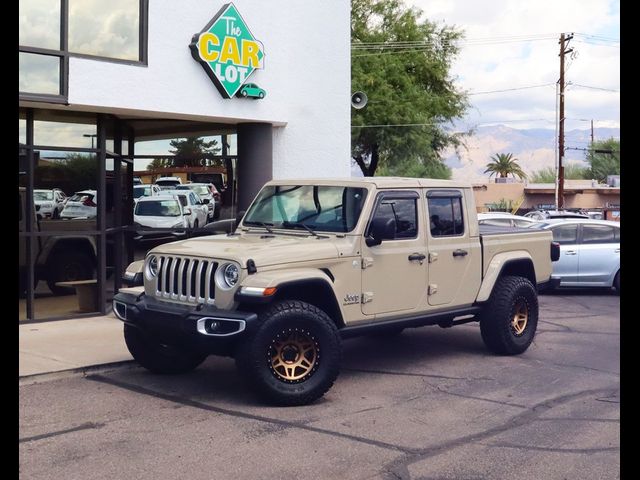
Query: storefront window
column 107, row 29
column 59, row 130
column 39, row 73
column 22, row 128
column 39, row 23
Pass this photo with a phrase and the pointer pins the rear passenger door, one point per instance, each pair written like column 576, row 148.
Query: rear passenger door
column 453, row 257
column 599, row 257
column 567, row 265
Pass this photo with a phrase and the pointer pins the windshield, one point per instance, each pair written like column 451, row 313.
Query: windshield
column 199, row 189
column 141, row 192
column 42, row 195
column 168, row 183
column 319, row 207
column 158, row 208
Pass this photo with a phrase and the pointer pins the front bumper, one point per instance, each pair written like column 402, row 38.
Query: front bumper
column 203, row 328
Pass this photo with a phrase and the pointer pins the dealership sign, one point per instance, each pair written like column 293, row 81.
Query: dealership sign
column 227, row 50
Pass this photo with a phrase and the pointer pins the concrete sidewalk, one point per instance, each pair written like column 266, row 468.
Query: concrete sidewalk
column 59, row 348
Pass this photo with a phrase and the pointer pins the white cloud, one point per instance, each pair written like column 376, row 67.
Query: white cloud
column 504, row 65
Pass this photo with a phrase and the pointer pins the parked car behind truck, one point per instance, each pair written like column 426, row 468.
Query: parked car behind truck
column 315, row 261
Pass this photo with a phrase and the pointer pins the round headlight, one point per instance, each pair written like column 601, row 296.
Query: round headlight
column 152, row 265
column 227, row 276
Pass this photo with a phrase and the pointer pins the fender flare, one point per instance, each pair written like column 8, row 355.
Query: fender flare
column 498, row 264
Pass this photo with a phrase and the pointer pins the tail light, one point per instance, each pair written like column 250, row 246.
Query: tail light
column 555, row 251
column 88, row 202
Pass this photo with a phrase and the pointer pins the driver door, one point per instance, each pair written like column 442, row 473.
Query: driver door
column 394, row 273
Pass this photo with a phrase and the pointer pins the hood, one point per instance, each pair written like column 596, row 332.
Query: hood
column 264, row 249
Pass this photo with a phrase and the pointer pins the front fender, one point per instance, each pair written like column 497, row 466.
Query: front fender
column 496, row 266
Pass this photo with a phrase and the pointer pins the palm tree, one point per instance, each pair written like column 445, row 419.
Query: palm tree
column 503, row 164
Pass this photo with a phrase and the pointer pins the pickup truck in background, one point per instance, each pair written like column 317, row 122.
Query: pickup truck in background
column 315, row 261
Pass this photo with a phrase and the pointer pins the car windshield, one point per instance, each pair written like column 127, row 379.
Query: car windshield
column 142, row 192
column 168, row 183
column 81, row 197
column 158, row 208
column 42, row 195
column 326, row 208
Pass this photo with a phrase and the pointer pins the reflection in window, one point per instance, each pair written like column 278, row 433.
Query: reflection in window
column 39, row 23
column 107, row 29
column 403, row 211
column 62, row 134
column 565, row 234
column 445, row 216
column 39, row 73
column 598, row 234
column 22, row 130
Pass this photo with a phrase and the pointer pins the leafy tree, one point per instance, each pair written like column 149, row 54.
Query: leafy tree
column 191, row 151
column 503, row 164
column 604, row 158
column 572, row 171
column 159, row 163
column 402, row 64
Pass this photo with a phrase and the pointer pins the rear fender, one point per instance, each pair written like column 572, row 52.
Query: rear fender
column 517, row 262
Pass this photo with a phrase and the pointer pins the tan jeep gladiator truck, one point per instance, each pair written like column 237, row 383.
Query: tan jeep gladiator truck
column 315, row 261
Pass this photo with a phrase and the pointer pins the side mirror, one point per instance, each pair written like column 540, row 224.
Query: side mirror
column 239, row 216
column 187, row 211
column 379, row 230
column 205, row 201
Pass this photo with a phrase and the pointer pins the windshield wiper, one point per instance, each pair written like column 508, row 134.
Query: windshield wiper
column 299, row 224
column 265, row 225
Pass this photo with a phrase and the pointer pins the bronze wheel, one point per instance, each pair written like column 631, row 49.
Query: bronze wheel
column 293, row 355
column 520, row 317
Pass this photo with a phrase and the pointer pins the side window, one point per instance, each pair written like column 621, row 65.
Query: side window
column 445, row 216
column 598, row 234
column 194, row 201
column 405, row 213
column 565, row 234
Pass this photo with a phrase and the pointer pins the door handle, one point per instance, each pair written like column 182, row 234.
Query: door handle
column 617, row 250
column 417, row 256
column 460, row 253
column 570, row 252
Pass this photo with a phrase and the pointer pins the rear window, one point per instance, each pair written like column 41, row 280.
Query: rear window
column 165, row 183
column 592, row 234
column 159, row 208
column 81, row 197
column 445, row 216
column 142, row 192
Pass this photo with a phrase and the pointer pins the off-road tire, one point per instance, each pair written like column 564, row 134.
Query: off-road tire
column 68, row 267
column 156, row 357
column 502, row 316
column 260, row 358
column 616, row 282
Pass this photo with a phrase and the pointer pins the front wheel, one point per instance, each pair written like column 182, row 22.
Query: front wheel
column 294, row 356
column 157, row 357
column 509, row 320
column 68, row 267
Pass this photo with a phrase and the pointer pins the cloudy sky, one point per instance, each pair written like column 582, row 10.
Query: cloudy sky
column 514, row 44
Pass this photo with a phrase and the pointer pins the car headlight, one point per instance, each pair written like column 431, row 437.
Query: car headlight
column 152, row 266
column 179, row 224
column 227, row 276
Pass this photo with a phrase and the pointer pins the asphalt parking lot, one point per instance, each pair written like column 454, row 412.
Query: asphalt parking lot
column 431, row 403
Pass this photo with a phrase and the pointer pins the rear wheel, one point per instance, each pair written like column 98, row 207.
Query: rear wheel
column 616, row 282
column 68, row 267
column 157, row 357
column 294, row 356
column 509, row 320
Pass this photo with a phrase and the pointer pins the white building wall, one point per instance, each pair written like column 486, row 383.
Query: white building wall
column 306, row 76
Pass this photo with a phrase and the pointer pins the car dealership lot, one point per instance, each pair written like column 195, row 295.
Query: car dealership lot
column 431, row 403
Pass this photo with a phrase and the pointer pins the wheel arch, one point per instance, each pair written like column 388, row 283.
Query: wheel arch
column 520, row 265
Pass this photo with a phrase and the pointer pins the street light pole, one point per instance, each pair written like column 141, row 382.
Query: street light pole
column 90, row 135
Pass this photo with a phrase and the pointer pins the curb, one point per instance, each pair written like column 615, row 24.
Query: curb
column 75, row 372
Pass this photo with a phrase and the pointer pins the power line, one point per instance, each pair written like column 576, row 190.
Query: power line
column 512, row 89
column 593, row 88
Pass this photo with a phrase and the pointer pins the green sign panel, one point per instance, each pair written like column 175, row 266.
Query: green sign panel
column 228, row 51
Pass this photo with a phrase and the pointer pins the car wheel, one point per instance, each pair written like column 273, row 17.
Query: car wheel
column 195, row 224
column 616, row 282
column 261, row 95
column 243, row 93
column 157, row 357
column 509, row 319
column 294, row 356
column 68, row 267
column 56, row 214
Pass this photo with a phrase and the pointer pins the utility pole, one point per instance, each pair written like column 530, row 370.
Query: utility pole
column 564, row 41
column 592, row 132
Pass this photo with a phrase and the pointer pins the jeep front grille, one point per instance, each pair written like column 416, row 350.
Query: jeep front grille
column 186, row 279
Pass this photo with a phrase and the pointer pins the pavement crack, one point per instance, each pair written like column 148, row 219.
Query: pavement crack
column 500, row 402
column 84, row 426
column 584, row 451
column 247, row 416
column 411, row 374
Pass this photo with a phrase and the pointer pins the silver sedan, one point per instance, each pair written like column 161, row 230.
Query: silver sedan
column 589, row 252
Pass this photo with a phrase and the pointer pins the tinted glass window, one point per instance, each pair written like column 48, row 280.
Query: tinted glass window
column 598, row 234
column 39, row 23
column 39, row 73
column 160, row 208
column 405, row 213
column 565, row 234
column 445, row 216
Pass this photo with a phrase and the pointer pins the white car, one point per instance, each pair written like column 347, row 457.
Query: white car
column 203, row 191
column 589, row 252
column 157, row 217
column 49, row 203
column 189, row 199
column 81, row 204
column 167, row 183
column 140, row 191
column 504, row 219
